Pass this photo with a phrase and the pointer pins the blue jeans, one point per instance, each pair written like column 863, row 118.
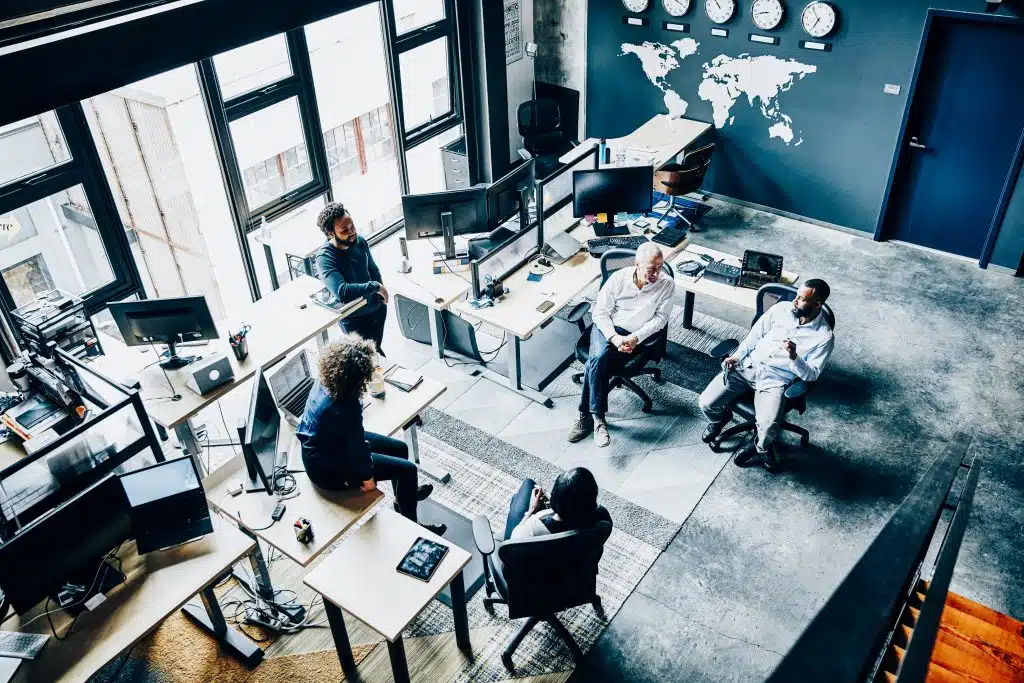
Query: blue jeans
column 518, row 507
column 604, row 361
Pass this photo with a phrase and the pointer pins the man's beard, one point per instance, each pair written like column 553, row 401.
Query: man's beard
column 800, row 312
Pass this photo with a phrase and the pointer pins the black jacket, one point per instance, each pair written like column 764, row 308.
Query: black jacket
column 334, row 448
column 351, row 273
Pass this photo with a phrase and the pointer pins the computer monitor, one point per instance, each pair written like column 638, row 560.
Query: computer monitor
column 165, row 321
column 168, row 504
column 612, row 190
column 260, row 436
column 67, row 546
column 445, row 214
column 511, row 195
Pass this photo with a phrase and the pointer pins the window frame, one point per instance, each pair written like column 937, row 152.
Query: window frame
column 82, row 169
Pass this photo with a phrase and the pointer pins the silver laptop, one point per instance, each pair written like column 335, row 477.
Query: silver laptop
column 561, row 247
column 290, row 384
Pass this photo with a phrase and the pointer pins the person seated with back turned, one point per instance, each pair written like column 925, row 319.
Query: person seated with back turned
column 632, row 305
column 790, row 341
column 573, row 505
column 337, row 453
column 349, row 272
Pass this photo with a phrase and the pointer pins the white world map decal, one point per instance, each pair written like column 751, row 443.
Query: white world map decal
column 724, row 80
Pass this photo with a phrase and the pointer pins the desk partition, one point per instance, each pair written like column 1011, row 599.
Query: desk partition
column 555, row 191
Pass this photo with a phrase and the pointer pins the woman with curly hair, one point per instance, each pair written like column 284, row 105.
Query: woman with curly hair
column 348, row 270
column 337, row 453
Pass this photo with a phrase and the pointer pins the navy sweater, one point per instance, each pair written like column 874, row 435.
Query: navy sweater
column 351, row 273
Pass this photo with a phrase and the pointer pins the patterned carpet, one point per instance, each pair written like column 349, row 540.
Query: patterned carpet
column 486, row 472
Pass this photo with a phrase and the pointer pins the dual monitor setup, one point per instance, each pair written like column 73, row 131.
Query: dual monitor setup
column 511, row 243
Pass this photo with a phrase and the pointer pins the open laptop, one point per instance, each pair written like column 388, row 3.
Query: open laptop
column 290, row 384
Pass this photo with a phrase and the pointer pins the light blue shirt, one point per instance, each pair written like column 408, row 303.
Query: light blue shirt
column 762, row 353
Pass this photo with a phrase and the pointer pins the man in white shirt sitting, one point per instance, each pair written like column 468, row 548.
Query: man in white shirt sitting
column 633, row 305
column 790, row 341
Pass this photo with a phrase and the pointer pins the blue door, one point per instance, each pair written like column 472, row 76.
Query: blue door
column 965, row 122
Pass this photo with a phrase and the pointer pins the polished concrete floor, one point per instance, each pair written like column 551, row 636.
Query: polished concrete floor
column 926, row 345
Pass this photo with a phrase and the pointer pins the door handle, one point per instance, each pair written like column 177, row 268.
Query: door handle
column 917, row 145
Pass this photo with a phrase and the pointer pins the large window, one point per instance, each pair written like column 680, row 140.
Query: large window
column 271, row 152
column 58, row 223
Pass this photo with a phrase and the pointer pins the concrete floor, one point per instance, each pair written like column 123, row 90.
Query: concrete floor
column 925, row 345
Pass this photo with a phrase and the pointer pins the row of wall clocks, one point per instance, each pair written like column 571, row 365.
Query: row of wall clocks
column 818, row 18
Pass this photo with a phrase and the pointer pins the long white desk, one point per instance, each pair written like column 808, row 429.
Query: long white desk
column 664, row 136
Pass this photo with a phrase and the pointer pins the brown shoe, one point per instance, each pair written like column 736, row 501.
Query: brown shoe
column 581, row 428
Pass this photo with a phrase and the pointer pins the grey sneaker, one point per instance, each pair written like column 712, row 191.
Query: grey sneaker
column 581, row 428
column 601, row 437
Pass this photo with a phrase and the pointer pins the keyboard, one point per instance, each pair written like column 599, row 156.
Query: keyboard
column 670, row 236
column 599, row 245
column 25, row 498
column 22, row 645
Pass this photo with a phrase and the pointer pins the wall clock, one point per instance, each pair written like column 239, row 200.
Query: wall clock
column 676, row 8
column 636, row 6
column 720, row 11
column 818, row 19
column 767, row 14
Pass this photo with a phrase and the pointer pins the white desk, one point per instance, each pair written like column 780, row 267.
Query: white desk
column 157, row 584
column 739, row 296
column 664, row 136
column 360, row 577
column 517, row 312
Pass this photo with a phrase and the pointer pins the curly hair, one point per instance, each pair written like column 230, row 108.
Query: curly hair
column 347, row 366
column 330, row 213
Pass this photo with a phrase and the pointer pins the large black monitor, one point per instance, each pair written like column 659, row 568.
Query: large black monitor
column 511, row 195
column 445, row 214
column 165, row 321
column 259, row 442
column 612, row 190
column 66, row 546
column 168, row 504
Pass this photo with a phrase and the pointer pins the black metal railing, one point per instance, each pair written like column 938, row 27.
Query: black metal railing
column 848, row 639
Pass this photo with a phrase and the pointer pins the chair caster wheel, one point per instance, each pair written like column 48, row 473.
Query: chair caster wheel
column 577, row 380
column 507, row 661
column 715, row 446
column 648, row 407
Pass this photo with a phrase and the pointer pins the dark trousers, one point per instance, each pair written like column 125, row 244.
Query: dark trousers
column 518, row 507
column 368, row 326
column 603, row 362
column 391, row 463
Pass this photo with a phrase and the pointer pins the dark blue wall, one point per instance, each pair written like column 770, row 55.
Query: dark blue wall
column 849, row 126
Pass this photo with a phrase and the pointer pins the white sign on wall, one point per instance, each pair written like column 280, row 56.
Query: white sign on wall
column 513, row 31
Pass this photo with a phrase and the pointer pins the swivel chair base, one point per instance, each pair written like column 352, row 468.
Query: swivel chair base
column 628, row 383
column 751, row 426
column 673, row 210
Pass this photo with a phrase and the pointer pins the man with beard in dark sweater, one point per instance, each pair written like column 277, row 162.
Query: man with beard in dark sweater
column 348, row 270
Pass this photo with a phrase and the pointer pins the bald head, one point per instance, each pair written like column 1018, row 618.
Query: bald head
column 648, row 262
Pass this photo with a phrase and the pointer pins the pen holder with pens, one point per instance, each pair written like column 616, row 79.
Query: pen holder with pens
column 239, row 342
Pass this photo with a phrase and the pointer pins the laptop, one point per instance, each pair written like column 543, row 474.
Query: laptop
column 561, row 247
column 290, row 384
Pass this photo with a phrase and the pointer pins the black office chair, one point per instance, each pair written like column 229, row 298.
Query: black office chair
column 676, row 180
column 653, row 350
column 796, row 393
column 541, row 576
column 540, row 124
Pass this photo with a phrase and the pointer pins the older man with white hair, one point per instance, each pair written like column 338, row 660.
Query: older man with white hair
column 633, row 305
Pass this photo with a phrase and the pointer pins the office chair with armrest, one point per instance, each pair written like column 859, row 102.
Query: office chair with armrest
column 653, row 350
column 676, row 180
column 540, row 124
column 541, row 576
column 796, row 393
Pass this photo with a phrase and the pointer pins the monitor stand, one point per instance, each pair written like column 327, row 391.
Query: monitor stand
column 174, row 361
column 448, row 233
column 610, row 229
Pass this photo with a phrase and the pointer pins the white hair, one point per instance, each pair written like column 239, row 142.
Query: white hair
column 647, row 252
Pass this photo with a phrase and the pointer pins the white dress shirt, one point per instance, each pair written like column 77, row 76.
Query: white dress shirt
column 762, row 350
column 643, row 312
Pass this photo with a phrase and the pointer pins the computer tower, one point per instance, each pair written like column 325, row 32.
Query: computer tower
column 168, row 504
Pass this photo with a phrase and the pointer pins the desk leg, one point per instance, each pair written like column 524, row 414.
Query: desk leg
column 264, row 587
column 514, row 381
column 189, row 444
column 269, row 253
column 688, row 300
column 212, row 621
column 412, row 439
column 399, row 666
column 458, row 593
column 436, row 333
column 515, row 364
column 341, row 642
